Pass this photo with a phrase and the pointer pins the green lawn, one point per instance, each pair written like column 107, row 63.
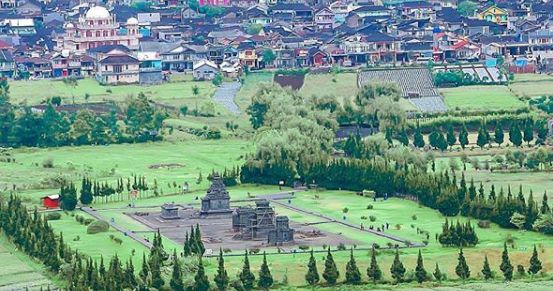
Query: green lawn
column 249, row 87
column 538, row 182
column 340, row 85
column 175, row 93
column 480, row 98
column 108, row 163
column 18, row 271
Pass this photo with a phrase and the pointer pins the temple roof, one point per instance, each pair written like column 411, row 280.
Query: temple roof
column 217, row 190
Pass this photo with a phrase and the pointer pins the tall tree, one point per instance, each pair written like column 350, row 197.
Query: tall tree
column 397, row 270
column 265, row 278
column 535, row 263
column 464, row 136
column 201, row 282
column 499, row 136
column 450, row 136
column 221, row 278
column 373, row 271
column 437, row 273
column 462, row 269
column 528, row 131
column 418, row 139
column 330, row 273
column 515, row 137
column 506, row 266
column 353, row 276
column 486, row 270
column 544, row 209
column 176, row 282
column 420, row 272
column 144, row 274
column 246, row 276
column 312, row 276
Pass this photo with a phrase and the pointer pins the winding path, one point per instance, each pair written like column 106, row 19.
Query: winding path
column 225, row 96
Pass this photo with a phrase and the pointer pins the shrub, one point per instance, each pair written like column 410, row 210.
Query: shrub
column 77, row 238
column 414, row 217
column 370, row 206
column 341, row 247
column 372, row 218
column 254, row 251
column 227, row 250
column 53, row 216
column 97, row 227
column 48, row 163
column 484, row 224
column 304, row 247
column 88, row 221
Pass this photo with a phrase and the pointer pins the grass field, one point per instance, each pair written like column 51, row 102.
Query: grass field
column 340, row 85
column 175, row 93
column 481, row 98
column 108, row 163
column 251, row 83
column 18, row 271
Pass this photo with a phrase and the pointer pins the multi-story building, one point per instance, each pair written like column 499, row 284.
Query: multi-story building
column 118, row 69
column 96, row 28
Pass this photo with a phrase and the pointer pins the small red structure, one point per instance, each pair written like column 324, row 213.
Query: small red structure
column 51, row 201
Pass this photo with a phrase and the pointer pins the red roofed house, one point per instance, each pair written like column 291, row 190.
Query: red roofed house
column 51, row 201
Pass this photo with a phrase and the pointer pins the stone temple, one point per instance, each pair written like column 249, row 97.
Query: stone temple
column 259, row 223
column 169, row 211
column 217, row 199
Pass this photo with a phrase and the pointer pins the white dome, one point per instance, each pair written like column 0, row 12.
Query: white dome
column 69, row 25
column 132, row 21
column 97, row 13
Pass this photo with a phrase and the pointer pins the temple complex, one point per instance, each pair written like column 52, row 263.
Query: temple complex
column 169, row 211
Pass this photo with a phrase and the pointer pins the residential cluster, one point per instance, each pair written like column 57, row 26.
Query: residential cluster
column 121, row 42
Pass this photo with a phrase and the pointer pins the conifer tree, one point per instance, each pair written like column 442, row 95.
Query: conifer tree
column 201, row 282
column 130, row 278
column 157, row 280
column 330, row 273
column 373, row 271
column 437, row 273
column 535, row 263
column 246, row 276
column 545, row 205
column 462, row 269
column 486, row 270
column 144, row 273
column 450, row 136
column 199, row 243
column 420, row 272
column 499, row 136
column 176, row 281
column 221, row 278
column 506, row 266
column 265, row 278
column 418, row 139
column 353, row 276
column 186, row 249
column 397, row 270
column 312, row 276
column 464, row 137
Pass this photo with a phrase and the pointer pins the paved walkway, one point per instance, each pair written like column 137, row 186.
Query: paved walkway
column 225, row 96
column 121, row 229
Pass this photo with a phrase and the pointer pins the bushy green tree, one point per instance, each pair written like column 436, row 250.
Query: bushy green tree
column 462, row 269
column 353, row 276
column 373, row 271
column 265, row 278
column 397, row 269
column 331, row 272
column 312, row 276
column 506, row 267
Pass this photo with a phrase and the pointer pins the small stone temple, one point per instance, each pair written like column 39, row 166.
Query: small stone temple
column 259, row 224
column 217, row 199
column 169, row 211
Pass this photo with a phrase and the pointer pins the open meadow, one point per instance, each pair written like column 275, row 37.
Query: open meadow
column 481, row 98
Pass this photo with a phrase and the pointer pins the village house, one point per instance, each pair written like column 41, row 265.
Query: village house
column 118, row 69
column 494, row 14
column 205, row 70
column 150, row 68
column 7, row 64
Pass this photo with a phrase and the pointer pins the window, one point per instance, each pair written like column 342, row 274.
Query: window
column 117, row 68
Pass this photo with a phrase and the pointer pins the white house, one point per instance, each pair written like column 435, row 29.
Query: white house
column 205, row 70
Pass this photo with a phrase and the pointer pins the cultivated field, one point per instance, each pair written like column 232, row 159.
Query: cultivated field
column 493, row 97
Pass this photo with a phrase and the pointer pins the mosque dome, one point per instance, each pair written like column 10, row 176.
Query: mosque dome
column 132, row 21
column 97, row 13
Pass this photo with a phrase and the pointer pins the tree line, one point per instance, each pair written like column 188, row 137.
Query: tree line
column 23, row 126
